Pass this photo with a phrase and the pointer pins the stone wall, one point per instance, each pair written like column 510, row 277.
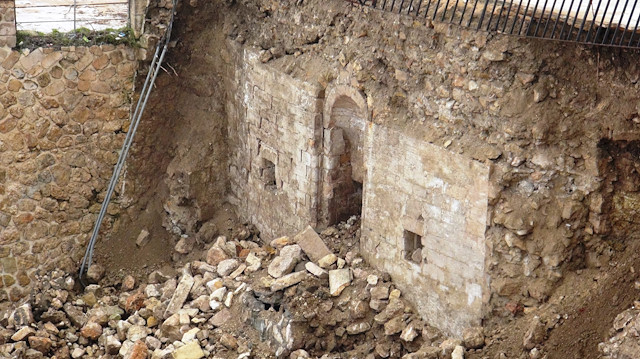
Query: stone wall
column 64, row 115
column 7, row 23
column 286, row 173
column 424, row 220
column 274, row 125
column 533, row 112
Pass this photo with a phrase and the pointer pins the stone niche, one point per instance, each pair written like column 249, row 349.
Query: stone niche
column 424, row 221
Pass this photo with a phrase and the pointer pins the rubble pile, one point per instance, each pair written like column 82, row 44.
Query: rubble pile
column 293, row 297
column 625, row 337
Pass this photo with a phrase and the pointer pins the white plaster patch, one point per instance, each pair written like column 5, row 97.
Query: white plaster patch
column 474, row 291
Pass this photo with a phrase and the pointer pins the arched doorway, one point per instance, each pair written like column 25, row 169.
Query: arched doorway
column 343, row 166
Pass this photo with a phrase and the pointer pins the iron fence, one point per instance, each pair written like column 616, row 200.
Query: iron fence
column 67, row 15
column 596, row 22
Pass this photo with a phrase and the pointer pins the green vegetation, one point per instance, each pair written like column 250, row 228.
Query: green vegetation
column 79, row 37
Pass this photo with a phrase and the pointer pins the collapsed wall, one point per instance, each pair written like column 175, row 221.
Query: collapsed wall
column 515, row 127
column 290, row 112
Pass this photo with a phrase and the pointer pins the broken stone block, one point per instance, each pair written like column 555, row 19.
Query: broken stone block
column 218, row 294
column 394, row 326
column 189, row 351
column 139, row 351
column 312, row 245
column 228, row 301
column 112, row 345
column 23, row 333
column 75, row 314
column 238, row 271
column 227, row 266
column 339, row 279
column 377, row 304
column 394, row 308
column 21, row 316
column 380, row 293
column 95, row 273
column 215, row 305
column 91, row 331
column 136, row 332
column 448, row 346
column 207, row 232
column 185, row 245
column 157, row 277
column 202, row 268
column 253, row 263
column 357, row 328
column 327, row 261
column 285, row 262
column 280, row 242
column 493, row 55
column 153, row 343
column 300, row 354
column 409, row 333
column 170, row 328
column 190, row 335
column 221, row 318
column 128, row 283
column 216, row 255
column 288, row 280
column 473, row 338
column 316, row 270
column 180, row 295
column 143, row 238
column 134, row 302
column 458, row 352
column 229, row 341
column 77, row 353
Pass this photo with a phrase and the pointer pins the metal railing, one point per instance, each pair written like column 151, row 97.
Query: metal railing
column 67, row 15
column 596, row 22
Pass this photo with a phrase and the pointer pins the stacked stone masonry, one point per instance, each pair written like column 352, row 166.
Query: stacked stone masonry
column 296, row 156
column 274, row 158
column 418, row 189
column 7, row 23
column 64, row 115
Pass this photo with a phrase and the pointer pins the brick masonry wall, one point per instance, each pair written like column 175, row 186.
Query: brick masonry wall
column 7, row 23
column 442, row 197
column 63, row 117
column 276, row 120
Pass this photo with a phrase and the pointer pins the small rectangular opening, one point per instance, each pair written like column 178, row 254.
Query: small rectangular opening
column 268, row 175
column 412, row 247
